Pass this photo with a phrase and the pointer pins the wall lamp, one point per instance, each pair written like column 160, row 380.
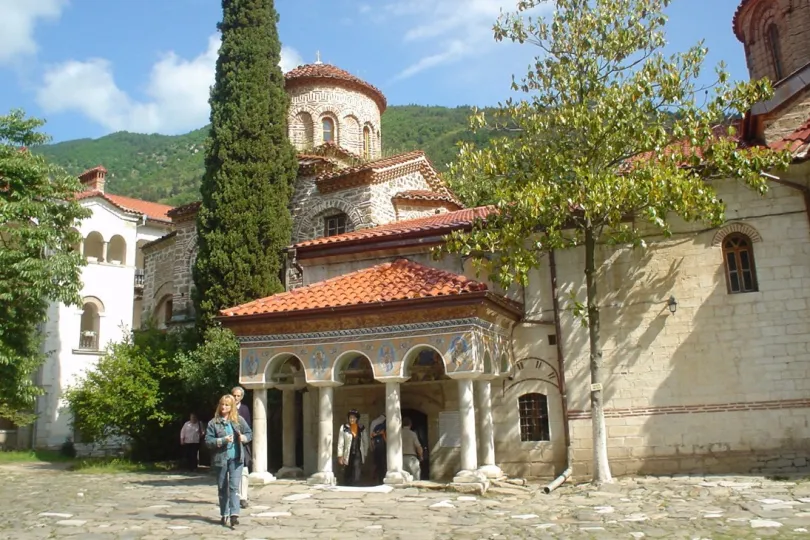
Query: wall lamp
column 672, row 304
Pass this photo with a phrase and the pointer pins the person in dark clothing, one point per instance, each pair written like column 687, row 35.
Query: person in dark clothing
column 352, row 448
column 379, row 448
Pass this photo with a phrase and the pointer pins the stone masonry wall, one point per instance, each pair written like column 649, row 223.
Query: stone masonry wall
column 786, row 121
column 382, row 207
column 159, row 266
column 792, row 19
column 722, row 384
column 183, row 282
column 309, row 208
column 351, row 110
column 405, row 211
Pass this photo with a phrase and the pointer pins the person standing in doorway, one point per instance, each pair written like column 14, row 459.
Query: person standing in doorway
column 352, row 448
column 238, row 393
column 379, row 448
column 411, row 450
column 226, row 435
column 190, row 441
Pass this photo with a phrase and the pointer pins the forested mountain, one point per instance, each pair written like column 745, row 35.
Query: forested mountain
column 168, row 169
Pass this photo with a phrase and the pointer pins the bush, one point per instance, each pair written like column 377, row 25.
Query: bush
column 144, row 388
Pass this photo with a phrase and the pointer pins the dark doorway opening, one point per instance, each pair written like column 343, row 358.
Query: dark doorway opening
column 275, row 430
column 419, row 425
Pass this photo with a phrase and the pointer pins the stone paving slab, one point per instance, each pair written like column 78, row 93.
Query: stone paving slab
column 37, row 502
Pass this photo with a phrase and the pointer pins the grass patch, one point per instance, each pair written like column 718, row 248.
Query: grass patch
column 118, row 465
column 32, row 456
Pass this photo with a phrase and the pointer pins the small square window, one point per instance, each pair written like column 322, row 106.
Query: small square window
column 552, row 339
column 335, row 225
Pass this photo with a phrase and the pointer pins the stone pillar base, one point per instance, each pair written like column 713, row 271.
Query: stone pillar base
column 470, row 477
column 491, row 471
column 260, row 478
column 397, row 478
column 290, row 472
column 326, row 478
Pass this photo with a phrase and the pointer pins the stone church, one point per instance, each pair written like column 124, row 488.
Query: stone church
column 706, row 334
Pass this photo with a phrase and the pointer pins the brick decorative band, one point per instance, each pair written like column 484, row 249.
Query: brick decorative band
column 688, row 409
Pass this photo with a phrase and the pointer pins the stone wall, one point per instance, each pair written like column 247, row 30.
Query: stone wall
column 352, row 111
column 723, row 383
column 159, row 268
column 381, row 195
column 183, row 282
column 788, row 119
column 792, row 19
column 310, row 208
column 413, row 210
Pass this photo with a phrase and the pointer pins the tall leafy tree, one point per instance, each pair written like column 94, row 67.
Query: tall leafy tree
column 250, row 166
column 610, row 128
column 38, row 211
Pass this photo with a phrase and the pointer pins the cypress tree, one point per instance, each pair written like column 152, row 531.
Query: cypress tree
column 244, row 222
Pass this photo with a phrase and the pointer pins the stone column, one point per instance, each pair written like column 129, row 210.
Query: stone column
column 325, row 427
column 486, row 430
column 104, row 252
column 393, row 433
column 466, row 413
column 289, row 468
column 260, row 474
column 310, row 434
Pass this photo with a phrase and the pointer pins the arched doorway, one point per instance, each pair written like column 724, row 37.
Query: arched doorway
column 419, row 425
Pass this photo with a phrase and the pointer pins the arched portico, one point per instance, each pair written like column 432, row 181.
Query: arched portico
column 419, row 341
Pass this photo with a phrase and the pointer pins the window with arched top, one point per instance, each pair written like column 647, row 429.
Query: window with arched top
column 90, row 326
column 738, row 257
column 328, row 130
column 776, row 54
column 366, row 142
column 534, row 425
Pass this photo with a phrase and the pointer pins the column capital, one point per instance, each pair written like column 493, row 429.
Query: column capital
column 467, row 375
column 290, row 387
column 256, row 386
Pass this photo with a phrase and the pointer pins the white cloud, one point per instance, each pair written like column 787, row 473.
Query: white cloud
column 454, row 29
column 17, row 21
column 177, row 91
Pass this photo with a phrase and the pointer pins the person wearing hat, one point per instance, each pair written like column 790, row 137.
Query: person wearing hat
column 352, row 448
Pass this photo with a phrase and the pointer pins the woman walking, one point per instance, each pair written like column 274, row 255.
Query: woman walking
column 352, row 448
column 226, row 436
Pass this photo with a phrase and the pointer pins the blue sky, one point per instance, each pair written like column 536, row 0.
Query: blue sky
column 92, row 67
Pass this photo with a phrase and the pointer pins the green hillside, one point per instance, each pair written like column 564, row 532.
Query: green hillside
column 168, row 169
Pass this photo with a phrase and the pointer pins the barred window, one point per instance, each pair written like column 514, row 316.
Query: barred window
column 533, row 417
column 738, row 257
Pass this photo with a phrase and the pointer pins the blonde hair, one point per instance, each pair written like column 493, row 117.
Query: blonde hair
column 233, row 416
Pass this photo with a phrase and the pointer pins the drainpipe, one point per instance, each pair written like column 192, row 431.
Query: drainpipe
column 569, row 453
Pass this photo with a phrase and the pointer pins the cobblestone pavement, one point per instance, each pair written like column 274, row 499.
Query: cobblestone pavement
column 37, row 501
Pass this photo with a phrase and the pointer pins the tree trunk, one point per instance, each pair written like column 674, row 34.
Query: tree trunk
column 601, row 467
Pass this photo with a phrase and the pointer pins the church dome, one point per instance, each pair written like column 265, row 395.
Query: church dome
column 327, row 73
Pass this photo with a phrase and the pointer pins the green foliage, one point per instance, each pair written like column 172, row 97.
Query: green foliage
column 168, row 169
column 37, row 264
column 244, row 222
column 608, row 131
column 144, row 388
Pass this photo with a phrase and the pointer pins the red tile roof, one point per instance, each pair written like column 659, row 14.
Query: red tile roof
column 798, row 142
column 435, row 224
column 424, row 195
column 155, row 211
column 313, row 72
column 389, row 282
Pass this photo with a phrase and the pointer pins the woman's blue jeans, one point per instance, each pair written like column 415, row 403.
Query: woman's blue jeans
column 228, row 479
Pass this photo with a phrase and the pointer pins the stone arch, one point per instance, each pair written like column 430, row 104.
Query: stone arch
column 344, row 364
column 94, row 246
column 328, row 116
column 163, row 310
column 282, row 368
column 117, row 250
column 307, row 223
column 742, row 228
column 350, row 134
column 90, row 323
column 415, row 356
column 302, row 130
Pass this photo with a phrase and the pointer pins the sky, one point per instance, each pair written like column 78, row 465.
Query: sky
column 93, row 67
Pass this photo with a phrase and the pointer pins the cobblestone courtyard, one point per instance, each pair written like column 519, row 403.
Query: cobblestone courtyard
column 40, row 502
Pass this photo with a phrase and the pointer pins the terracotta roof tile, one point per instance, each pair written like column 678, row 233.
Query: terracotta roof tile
column 437, row 223
column 798, row 142
column 156, row 211
column 309, row 72
column 389, row 282
column 424, row 195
